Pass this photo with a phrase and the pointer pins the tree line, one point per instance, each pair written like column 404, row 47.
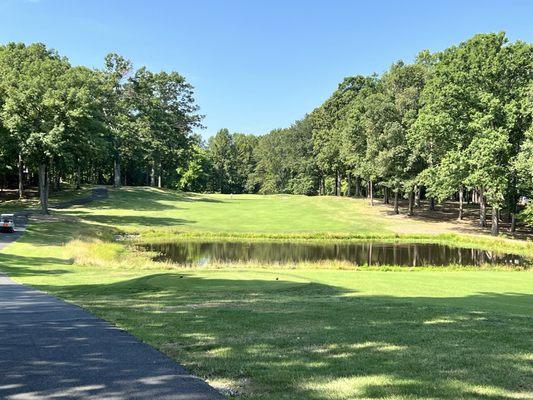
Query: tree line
column 453, row 124
column 115, row 125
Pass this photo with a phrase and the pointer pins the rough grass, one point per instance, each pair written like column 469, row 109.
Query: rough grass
column 264, row 333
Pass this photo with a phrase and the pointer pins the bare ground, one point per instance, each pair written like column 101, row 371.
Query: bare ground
column 444, row 220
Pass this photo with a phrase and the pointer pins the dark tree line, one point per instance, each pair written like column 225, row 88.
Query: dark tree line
column 116, row 125
column 453, row 124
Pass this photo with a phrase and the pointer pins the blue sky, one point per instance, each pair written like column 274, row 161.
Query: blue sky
column 256, row 64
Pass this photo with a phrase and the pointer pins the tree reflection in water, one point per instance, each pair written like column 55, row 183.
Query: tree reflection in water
column 368, row 253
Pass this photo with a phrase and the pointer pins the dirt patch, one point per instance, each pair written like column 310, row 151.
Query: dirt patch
column 443, row 220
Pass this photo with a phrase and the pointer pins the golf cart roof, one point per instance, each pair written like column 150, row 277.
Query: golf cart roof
column 6, row 215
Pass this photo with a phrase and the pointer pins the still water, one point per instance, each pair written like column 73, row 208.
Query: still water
column 405, row 254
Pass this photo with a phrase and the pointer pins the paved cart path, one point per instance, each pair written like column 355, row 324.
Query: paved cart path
column 50, row 349
column 21, row 217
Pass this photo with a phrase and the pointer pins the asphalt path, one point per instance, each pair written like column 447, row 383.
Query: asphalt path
column 51, row 349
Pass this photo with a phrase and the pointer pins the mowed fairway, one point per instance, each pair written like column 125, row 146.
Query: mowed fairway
column 267, row 333
column 138, row 208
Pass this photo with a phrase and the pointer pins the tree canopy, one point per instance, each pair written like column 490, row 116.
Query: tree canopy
column 455, row 124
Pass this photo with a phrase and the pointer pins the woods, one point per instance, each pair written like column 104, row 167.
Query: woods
column 116, row 125
column 455, row 124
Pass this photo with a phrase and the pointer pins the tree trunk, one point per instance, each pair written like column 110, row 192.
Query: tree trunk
column 511, row 205
column 411, row 202
column 386, row 195
column 417, row 196
column 337, row 188
column 495, row 227
column 357, row 186
column 513, row 222
column 21, row 177
column 152, row 175
column 482, row 209
column 432, row 204
column 461, row 189
column 160, row 177
column 43, row 188
column 396, row 209
column 371, row 192
column 78, row 175
column 116, row 170
column 348, row 184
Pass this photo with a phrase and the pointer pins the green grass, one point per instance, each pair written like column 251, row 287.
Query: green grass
column 135, row 209
column 161, row 215
column 7, row 206
column 264, row 333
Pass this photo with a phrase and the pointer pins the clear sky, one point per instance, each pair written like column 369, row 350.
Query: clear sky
column 257, row 64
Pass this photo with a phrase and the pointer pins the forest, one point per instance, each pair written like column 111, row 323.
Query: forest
column 454, row 124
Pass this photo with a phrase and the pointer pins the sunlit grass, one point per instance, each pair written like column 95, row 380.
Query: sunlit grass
column 310, row 332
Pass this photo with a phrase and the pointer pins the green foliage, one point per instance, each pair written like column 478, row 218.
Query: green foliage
column 223, row 155
column 77, row 122
column 195, row 177
column 457, row 119
column 527, row 214
column 285, row 161
column 470, row 125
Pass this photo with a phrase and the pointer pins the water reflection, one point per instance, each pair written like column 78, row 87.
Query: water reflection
column 405, row 254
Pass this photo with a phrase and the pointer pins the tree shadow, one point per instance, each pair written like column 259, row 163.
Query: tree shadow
column 149, row 199
column 17, row 266
column 54, row 350
column 448, row 211
column 124, row 220
column 284, row 339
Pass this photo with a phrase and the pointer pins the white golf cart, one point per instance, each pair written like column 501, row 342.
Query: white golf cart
column 7, row 222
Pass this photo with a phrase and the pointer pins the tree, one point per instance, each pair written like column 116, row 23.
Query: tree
column 195, row 176
column 327, row 122
column 223, row 155
column 244, row 147
column 116, row 114
column 471, row 105
column 163, row 111
column 30, row 76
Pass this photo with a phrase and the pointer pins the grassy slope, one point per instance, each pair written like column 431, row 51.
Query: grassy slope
column 8, row 206
column 291, row 334
column 160, row 215
column 135, row 209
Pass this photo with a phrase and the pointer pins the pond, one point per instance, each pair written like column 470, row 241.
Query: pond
column 366, row 253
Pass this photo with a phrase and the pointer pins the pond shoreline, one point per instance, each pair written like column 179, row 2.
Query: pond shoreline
column 498, row 245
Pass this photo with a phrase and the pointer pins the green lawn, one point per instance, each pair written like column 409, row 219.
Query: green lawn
column 138, row 208
column 263, row 333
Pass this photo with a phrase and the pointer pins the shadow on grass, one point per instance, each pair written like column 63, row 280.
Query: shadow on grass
column 125, row 220
column 275, row 339
column 150, row 199
column 449, row 211
column 50, row 232
column 17, row 266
